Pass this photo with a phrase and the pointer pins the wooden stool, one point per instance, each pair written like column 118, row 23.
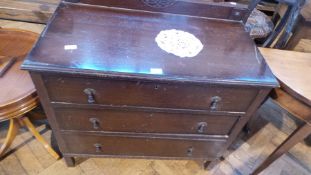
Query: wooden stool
column 18, row 94
column 293, row 69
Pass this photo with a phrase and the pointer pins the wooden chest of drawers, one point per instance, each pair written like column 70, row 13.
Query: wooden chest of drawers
column 109, row 88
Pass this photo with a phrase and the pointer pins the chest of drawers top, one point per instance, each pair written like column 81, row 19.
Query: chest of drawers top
column 90, row 38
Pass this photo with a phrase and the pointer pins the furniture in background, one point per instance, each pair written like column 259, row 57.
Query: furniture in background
column 28, row 10
column 284, row 26
column 41, row 11
column 259, row 25
column 34, row 11
column 18, row 94
column 302, row 31
column 292, row 70
column 109, row 89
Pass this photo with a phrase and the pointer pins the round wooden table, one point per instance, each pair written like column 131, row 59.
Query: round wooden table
column 293, row 70
column 18, row 94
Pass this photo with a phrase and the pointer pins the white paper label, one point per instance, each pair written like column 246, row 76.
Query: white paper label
column 70, row 47
column 179, row 43
column 156, row 71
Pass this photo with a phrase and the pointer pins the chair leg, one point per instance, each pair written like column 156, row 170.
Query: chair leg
column 299, row 134
column 37, row 135
column 292, row 22
column 12, row 132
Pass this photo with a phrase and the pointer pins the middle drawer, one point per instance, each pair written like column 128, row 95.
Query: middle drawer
column 112, row 120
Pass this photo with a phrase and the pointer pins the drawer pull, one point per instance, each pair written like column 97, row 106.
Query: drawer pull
column 90, row 95
column 95, row 123
column 190, row 151
column 156, row 86
column 98, row 147
column 202, row 127
column 215, row 101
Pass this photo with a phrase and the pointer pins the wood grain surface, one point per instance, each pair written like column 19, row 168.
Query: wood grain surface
column 17, row 82
column 17, row 90
column 36, row 28
column 304, row 45
column 38, row 11
column 27, row 156
column 104, row 50
column 306, row 10
column 293, row 69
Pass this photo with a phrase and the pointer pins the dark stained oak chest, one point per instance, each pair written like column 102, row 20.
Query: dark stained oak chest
column 108, row 89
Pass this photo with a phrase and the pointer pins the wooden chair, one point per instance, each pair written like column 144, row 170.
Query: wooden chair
column 302, row 31
column 284, row 26
column 293, row 70
column 18, row 94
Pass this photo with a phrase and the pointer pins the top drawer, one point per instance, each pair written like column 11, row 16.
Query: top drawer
column 148, row 94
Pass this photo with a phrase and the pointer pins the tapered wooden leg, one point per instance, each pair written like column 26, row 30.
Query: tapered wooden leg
column 70, row 161
column 54, row 144
column 205, row 164
column 299, row 134
column 208, row 165
column 251, row 123
column 13, row 130
column 37, row 135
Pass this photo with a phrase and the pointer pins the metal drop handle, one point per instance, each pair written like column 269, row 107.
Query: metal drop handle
column 190, row 151
column 202, row 126
column 90, row 95
column 95, row 123
column 98, row 147
column 215, row 102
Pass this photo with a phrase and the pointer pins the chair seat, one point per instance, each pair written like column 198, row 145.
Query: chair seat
column 293, row 70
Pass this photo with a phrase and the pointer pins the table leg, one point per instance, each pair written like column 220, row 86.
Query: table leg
column 70, row 161
column 13, row 129
column 299, row 134
column 37, row 135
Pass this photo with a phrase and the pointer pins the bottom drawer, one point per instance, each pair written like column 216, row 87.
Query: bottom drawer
column 141, row 146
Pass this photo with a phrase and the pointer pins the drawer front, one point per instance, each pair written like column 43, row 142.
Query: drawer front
column 141, row 146
column 148, row 94
column 143, row 122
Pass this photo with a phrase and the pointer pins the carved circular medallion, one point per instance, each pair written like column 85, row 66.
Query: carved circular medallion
column 159, row 3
